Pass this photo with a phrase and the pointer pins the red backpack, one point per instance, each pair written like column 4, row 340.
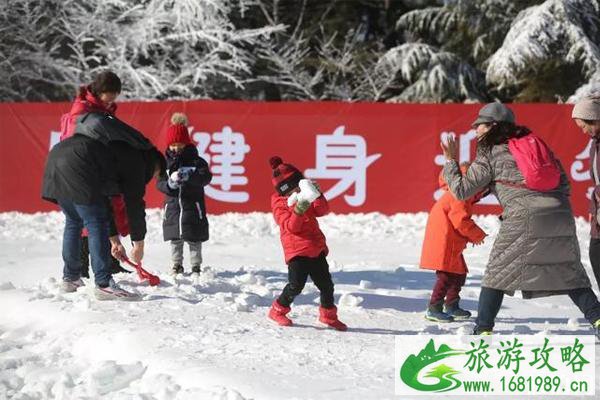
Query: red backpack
column 536, row 163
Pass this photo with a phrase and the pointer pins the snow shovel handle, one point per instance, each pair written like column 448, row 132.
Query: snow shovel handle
column 131, row 263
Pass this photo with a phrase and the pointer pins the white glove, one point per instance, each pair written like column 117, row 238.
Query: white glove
column 308, row 192
column 174, row 180
column 175, row 177
column 292, row 199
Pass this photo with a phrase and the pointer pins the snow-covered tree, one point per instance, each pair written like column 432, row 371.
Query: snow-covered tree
column 471, row 29
column 326, row 70
column 461, row 35
column 181, row 48
column 417, row 72
column 31, row 63
column 373, row 50
column 561, row 34
column 177, row 48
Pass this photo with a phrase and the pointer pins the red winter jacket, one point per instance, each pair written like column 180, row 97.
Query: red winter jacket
column 449, row 229
column 300, row 234
column 85, row 102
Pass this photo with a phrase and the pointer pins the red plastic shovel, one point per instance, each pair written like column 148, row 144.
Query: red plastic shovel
column 143, row 274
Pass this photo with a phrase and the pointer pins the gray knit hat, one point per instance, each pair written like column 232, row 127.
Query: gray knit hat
column 494, row 112
column 588, row 109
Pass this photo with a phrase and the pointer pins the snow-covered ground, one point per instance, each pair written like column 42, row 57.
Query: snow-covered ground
column 212, row 340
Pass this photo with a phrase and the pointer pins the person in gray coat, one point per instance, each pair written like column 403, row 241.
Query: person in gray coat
column 536, row 250
column 586, row 115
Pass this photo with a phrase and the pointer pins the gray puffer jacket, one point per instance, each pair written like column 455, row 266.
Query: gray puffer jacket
column 536, row 250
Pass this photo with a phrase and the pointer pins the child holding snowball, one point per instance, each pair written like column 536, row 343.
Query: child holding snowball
column 296, row 206
column 184, row 218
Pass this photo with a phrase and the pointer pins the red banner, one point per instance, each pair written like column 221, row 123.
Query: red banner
column 367, row 156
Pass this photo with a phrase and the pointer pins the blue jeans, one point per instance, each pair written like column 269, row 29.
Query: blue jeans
column 95, row 218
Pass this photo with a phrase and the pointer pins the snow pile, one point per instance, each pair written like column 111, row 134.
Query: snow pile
column 49, row 226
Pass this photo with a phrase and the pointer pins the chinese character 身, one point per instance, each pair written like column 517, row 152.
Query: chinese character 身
column 343, row 157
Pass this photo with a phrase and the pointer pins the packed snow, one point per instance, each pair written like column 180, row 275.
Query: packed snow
column 210, row 338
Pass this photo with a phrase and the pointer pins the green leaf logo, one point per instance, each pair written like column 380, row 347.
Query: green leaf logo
column 409, row 372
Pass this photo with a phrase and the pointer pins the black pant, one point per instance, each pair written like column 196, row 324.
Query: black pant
column 115, row 265
column 595, row 259
column 490, row 301
column 299, row 269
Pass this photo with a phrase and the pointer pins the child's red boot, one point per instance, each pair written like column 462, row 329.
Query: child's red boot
column 278, row 314
column 329, row 317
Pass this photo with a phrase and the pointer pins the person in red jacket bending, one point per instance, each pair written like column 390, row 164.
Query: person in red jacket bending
column 98, row 97
column 303, row 244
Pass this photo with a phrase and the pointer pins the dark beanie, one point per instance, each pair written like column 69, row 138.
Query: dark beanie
column 285, row 176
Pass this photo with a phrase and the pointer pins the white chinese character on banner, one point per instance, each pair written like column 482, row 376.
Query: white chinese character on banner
column 224, row 152
column 343, row 157
column 464, row 155
column 578, row 173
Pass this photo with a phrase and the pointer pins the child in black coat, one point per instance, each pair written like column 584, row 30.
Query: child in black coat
column 184, row 218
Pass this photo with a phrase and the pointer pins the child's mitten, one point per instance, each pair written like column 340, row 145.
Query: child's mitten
column 301, row 207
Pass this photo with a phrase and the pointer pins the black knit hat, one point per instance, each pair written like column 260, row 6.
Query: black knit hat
column 285, row 176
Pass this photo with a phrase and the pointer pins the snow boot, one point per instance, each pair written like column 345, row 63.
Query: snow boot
column 278, row 314
column 177, row 269
column 329, row 317
column 434, row 313
column 195, row 269
column 482, row 331
column 70, row 286
column 456, row 312
column 114, row 292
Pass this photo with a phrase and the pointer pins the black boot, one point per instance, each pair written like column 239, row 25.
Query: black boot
column 456, row 312
column 177, row 269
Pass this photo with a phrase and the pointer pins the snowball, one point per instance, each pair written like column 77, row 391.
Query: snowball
column 349, row 300
column 366, row 284
column 573, row 323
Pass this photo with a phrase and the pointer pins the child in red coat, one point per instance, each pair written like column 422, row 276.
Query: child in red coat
column 304, row 246
column 449, row 229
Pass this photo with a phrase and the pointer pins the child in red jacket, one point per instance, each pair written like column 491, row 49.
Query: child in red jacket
column 304, row 246
column 449, row 229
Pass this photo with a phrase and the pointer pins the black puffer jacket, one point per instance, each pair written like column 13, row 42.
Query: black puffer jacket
column 81, row 170
column 133, row 159
column 185, row 211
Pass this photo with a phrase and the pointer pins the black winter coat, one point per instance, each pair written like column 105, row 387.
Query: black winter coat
column 184, row 209
column 134, row 159
column 81, row 170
